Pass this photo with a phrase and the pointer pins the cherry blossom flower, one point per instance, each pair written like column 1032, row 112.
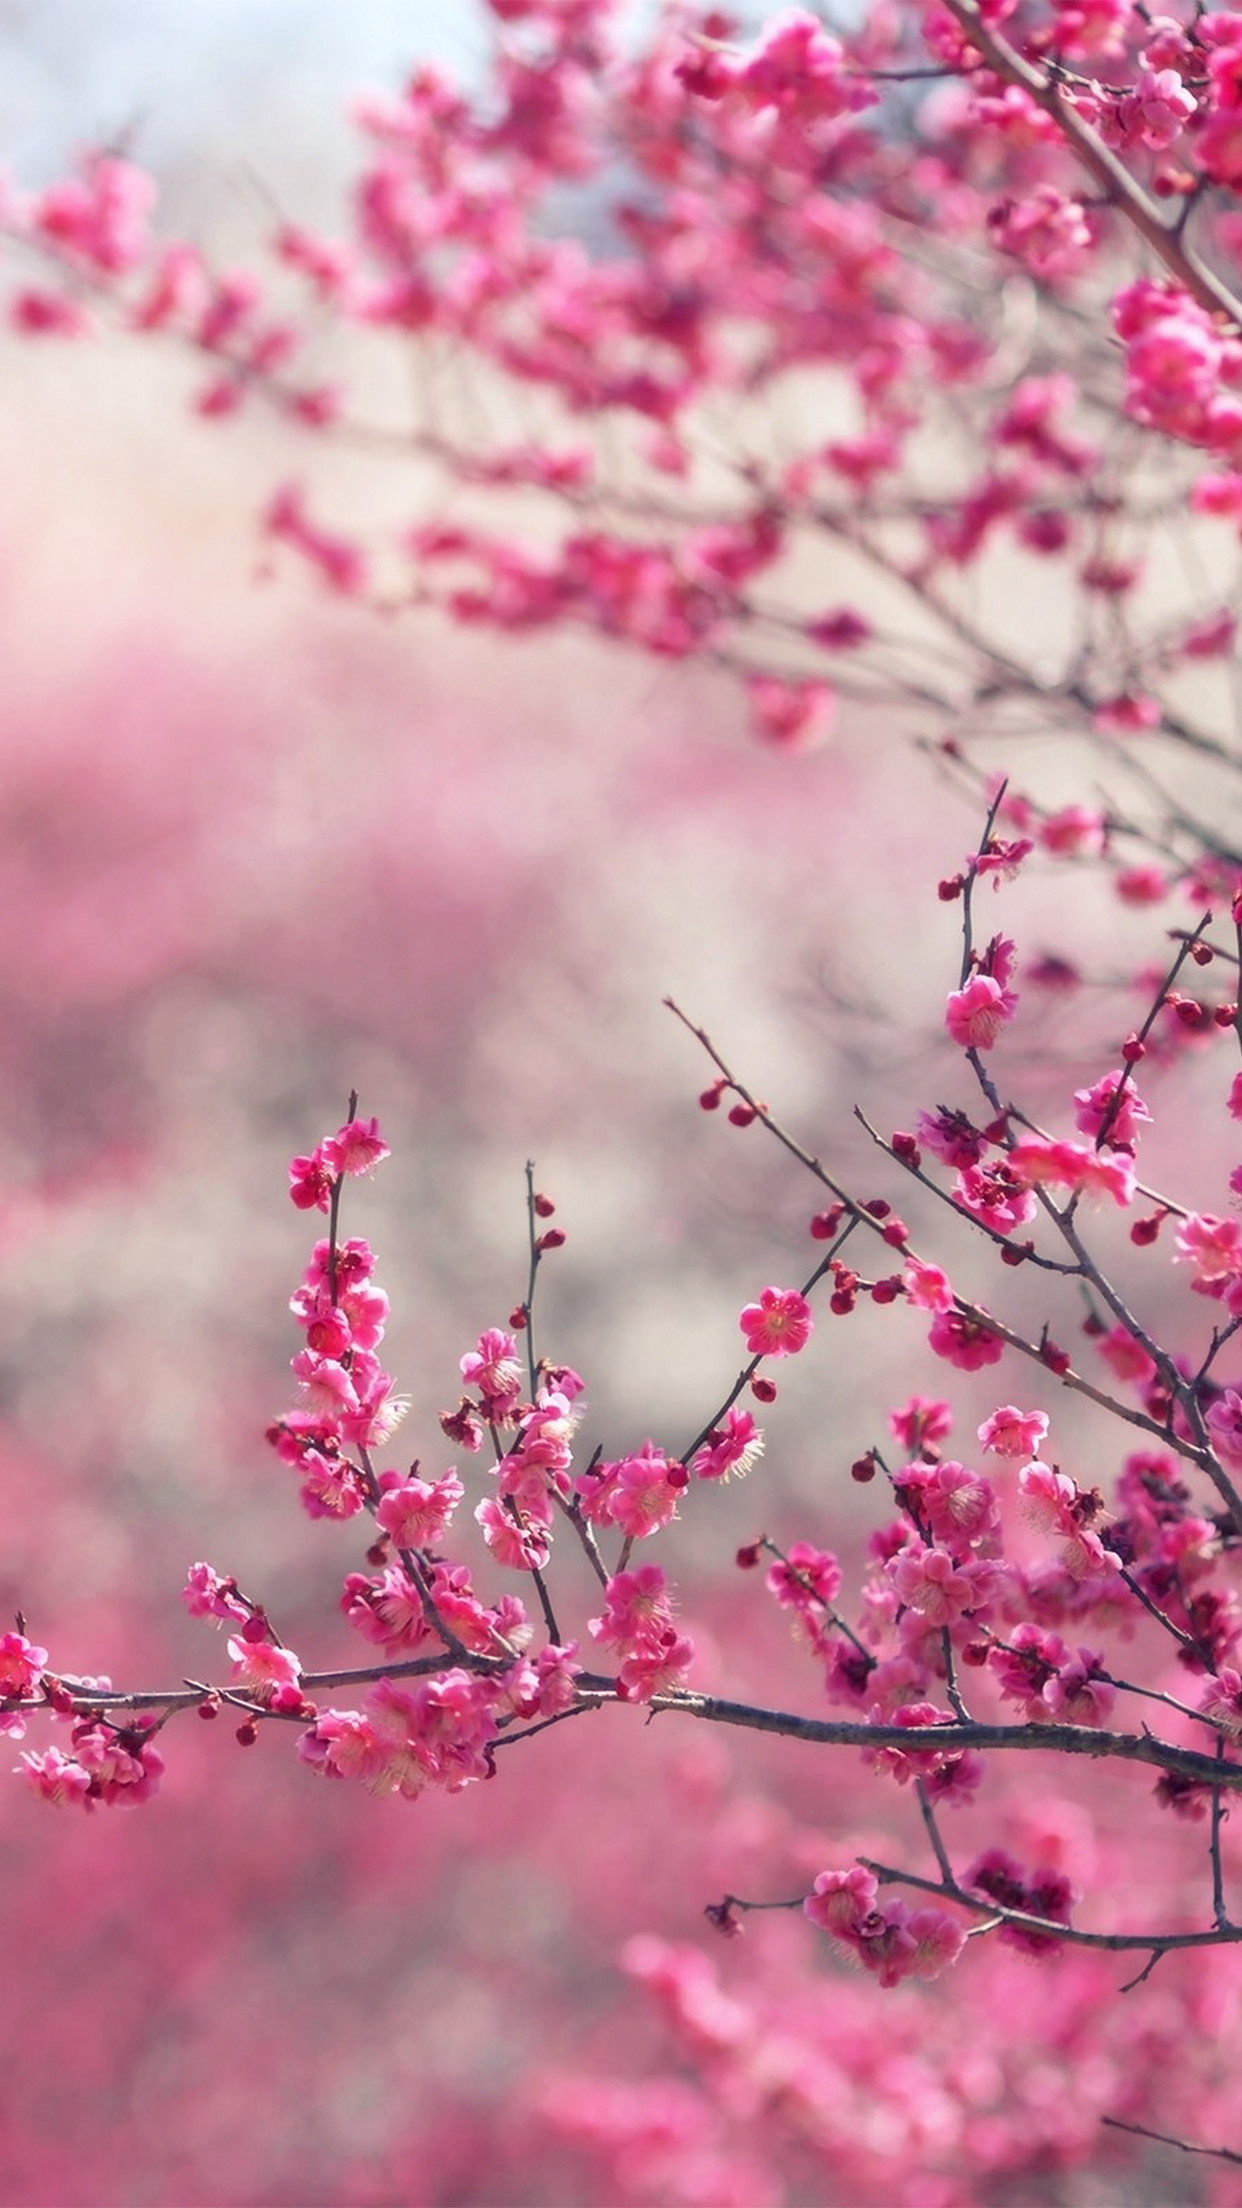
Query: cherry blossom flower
column 732, row 1446
column 778, row 1325
column 976, row 1013
column 417, row 1513
column 1010, row 1432
column 966, row 1342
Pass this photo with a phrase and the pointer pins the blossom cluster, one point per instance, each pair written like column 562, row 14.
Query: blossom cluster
column 778, row 188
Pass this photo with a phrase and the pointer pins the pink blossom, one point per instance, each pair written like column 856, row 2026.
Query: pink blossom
column 512, row 1538
column 387, row 1610
column 1224, row 1421
column 934, row 1583
column 340, row 563
column 1213, row 1246
column 1112, row 1102
column 1221, row 1700
column 1044, row 1893
column 493, row 1369
column 343, row 1744
column 1131, row 713
column 639, row 1493
column 1010, row 1432
column 206, row 1595
column 1074, row 1166
column 793, row 716
column 956, row 1505
column 1001, row 861
column 656, row 1668
column 266, row 1672
column 122, row 1767
column 1024, row 1666
column 310, row 1182
column 637, row 1609
column 805, row 1578
column 1124, row 1356
column 56, row 1778
column 1077, row 831
column 21, row 1666
column 841, row 1900
column 417, row 1513
column 732, row 1446
column 994, row 1195
column 926, row 1286
column 1077, row 1693
column 975, row 1014
column 1141, row 885
column 951, row 1138
column 1047, row 231
column 921, row 1423
column 355, row 1148
column 890, row 1940
column 966, row 1342
column 331, row 1486
column 778, row 1325
column 1058, row 1508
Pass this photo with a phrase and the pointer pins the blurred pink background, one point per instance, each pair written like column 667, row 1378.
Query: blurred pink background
column 257, row 848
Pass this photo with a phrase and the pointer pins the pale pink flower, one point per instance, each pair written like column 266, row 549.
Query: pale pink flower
column 935, row 1584
column 55, row 1778
column 1077, row 1693
column 1010, row 1432
column 266, row 1672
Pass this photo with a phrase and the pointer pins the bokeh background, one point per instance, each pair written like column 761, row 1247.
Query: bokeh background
column 258, row 847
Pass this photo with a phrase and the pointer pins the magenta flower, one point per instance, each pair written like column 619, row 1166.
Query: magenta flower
column 355, row 1148
column 975, row 1015
column 778, row 1325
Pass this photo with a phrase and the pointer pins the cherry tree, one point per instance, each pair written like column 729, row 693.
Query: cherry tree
column 941, row 306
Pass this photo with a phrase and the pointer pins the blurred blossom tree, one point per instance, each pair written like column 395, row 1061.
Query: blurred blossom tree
column 899, row 367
